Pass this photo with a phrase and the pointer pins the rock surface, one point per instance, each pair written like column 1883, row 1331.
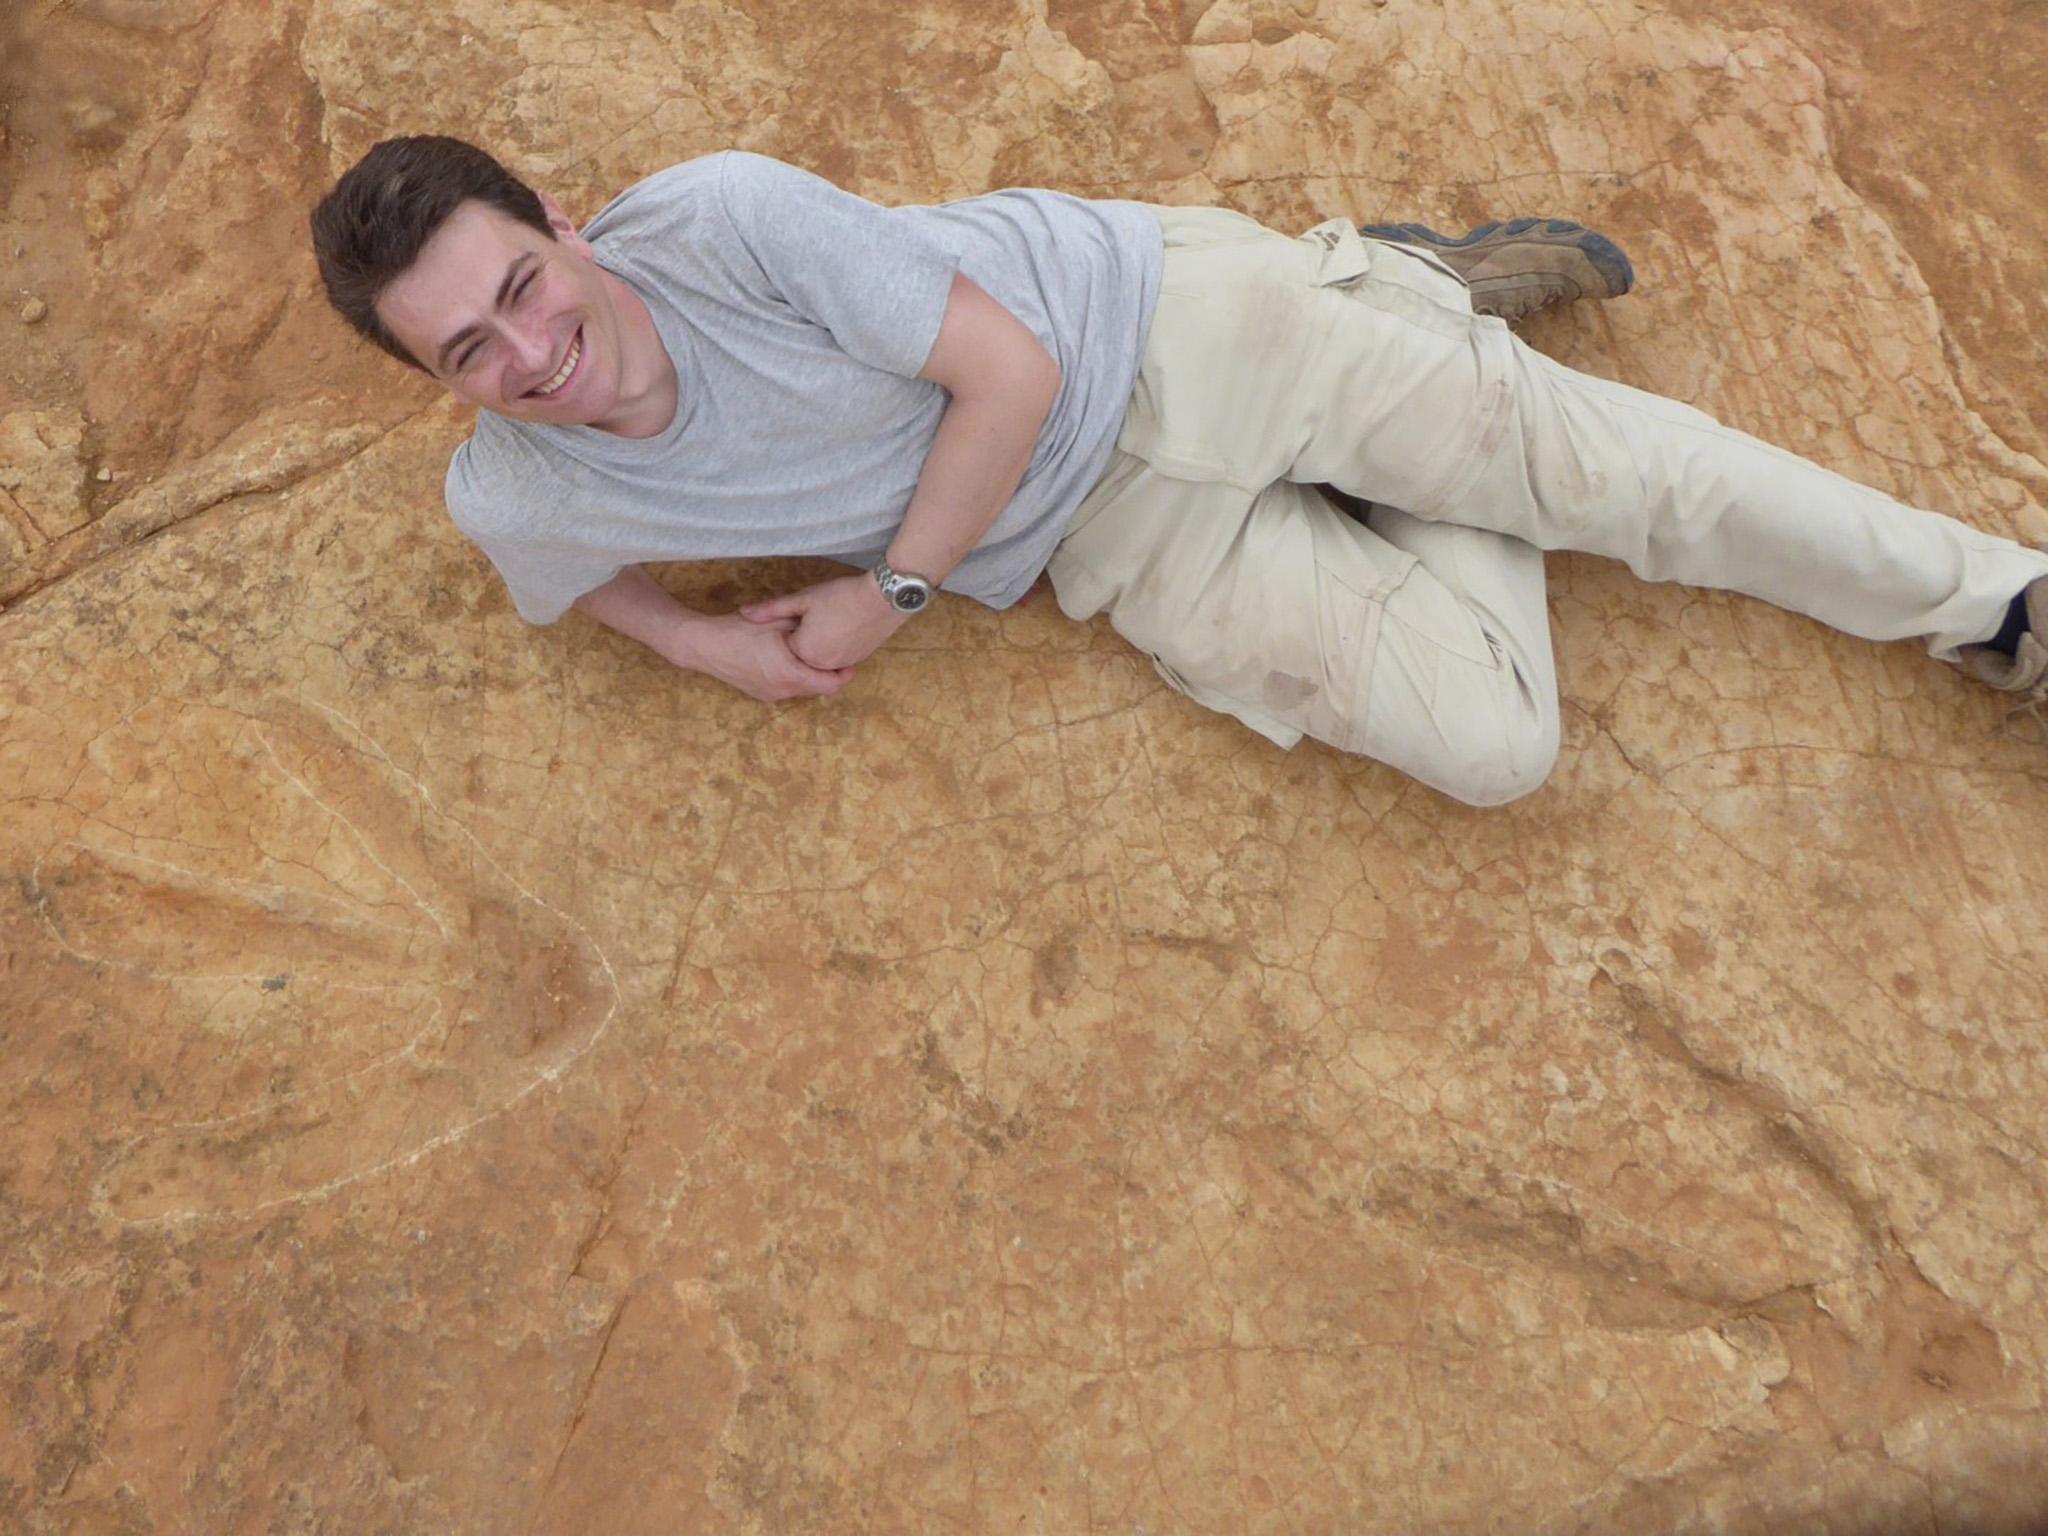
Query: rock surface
column 466, row 1078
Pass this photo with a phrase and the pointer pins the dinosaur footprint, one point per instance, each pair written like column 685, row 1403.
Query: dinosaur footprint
column 350, row 981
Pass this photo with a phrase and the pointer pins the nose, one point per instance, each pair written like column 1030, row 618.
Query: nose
column 530, row 346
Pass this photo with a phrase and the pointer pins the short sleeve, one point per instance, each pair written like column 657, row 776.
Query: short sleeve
column 874, row 277
column 545, row 583
column 544, row 578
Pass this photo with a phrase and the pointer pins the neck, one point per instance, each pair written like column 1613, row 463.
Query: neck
column 647, row 383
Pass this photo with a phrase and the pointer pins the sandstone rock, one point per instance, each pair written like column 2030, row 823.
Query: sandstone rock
column 33, row 312
column 469, row 1078
column 42, row 467
column 16, row 531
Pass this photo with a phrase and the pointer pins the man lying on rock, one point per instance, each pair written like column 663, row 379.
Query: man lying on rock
column 1312, row 477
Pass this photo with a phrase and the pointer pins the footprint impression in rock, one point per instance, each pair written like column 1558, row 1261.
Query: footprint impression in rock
column 347, row 981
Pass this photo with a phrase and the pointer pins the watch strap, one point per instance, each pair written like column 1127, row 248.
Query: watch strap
column 906, row 593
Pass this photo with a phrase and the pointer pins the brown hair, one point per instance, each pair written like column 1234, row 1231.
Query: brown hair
column 384, row 210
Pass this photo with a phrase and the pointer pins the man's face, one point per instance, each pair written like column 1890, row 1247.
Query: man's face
column 510, row 320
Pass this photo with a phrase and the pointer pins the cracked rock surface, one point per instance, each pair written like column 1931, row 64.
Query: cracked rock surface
column 457, row 1077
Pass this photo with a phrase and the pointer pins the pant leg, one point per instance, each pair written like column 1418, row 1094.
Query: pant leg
column 1331, row 359
column 1426, row 646
column 1588, row 464
column 1465, row 581
column 1423, row 645
column 1387, row 386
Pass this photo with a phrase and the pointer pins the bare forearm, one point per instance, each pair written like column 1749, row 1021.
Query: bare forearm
column 754, row 658
column 635, row 604
column 976, row 463
column 1003, row 382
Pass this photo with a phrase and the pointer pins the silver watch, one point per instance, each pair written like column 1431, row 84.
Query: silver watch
column 906, row 594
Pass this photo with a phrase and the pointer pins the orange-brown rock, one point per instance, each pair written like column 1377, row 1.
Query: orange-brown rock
column 456, row 1077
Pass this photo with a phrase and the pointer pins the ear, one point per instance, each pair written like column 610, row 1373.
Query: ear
column 563, row 226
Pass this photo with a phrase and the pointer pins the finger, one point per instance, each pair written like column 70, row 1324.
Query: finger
column 820, row 679
column 790, row 605
column 794, row 644
column 802, row 674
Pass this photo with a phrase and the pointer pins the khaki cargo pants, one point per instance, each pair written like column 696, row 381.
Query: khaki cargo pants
column 1421, row 637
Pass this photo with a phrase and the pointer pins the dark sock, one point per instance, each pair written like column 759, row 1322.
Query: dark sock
column 2008, row 637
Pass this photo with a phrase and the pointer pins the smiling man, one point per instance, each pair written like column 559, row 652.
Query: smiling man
column 1311, row 477
column 738, row 359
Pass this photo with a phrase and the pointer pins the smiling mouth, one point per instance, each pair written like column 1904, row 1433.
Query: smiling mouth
column 562, row 374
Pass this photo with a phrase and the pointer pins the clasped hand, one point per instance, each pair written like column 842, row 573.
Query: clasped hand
column 839, row 623
column 802, row 645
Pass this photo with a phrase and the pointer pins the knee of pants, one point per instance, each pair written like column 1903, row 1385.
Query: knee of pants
column 1520, row 768
column 1483, row 758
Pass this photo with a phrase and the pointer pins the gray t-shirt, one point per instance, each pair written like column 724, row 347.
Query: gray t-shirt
column 798, row 317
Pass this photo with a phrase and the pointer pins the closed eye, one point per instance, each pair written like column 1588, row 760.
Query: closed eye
column 506, row 299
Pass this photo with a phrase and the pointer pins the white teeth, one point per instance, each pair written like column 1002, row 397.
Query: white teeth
column 562, row 374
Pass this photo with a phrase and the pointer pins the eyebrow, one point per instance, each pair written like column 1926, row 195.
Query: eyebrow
column 512, row 273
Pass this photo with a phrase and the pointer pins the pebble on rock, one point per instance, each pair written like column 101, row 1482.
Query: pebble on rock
column 33, row 311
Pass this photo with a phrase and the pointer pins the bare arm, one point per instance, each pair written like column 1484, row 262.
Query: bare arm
column 635, row 604
column 754, row 658
column 1003, row 383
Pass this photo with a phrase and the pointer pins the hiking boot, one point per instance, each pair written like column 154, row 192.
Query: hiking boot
column 2024, row 673
column 1523, row 265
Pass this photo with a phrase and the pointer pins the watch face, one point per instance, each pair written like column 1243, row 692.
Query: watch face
column 909, row 597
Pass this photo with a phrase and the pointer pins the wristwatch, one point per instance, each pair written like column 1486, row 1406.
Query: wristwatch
column 906, row 594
